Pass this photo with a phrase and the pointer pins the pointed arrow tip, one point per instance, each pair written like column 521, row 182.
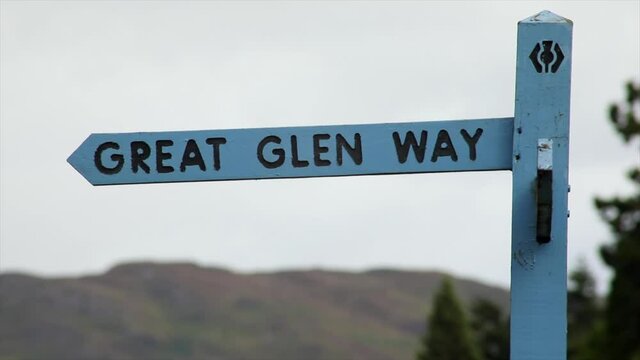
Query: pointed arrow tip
column 73, row 159
column 76, row 161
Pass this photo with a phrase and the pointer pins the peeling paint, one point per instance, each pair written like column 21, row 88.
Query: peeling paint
column 526, row 258
column 546, row 16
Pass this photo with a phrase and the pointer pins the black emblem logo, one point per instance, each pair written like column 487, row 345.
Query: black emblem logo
column 546, row 56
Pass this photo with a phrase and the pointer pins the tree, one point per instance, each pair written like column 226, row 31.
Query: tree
column 583, row 315
column 622, row 313
column 491, row 329
column 449, row 335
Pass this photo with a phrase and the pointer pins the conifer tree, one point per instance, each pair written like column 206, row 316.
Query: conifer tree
column 491, row 329
column 449, row 335
column 583, row 315
column 622, row 313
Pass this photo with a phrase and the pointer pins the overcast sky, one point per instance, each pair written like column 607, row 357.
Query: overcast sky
column 69, row 69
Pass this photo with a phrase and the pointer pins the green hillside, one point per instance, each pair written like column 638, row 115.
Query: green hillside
column 183, row 311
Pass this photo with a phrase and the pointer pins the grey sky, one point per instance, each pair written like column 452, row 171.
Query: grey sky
column 72, row 68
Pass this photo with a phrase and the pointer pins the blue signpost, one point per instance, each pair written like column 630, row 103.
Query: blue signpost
column 534, row 145
column 540, row 186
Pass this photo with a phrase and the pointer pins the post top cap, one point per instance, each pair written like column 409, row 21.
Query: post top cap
column 546, row 16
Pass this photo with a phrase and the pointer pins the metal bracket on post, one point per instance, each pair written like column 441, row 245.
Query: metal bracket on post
column 544, row 194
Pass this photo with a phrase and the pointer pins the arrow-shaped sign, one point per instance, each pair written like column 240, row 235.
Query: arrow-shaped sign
column 291, row 152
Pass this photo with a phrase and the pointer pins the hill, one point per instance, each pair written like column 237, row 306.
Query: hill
column 183, row 311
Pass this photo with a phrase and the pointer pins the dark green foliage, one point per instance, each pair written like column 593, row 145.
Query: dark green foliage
column 624, row 117
column 449, row 335
column 582, row 314
column 622, row 313
column 491, row 329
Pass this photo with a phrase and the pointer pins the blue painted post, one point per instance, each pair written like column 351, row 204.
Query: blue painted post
column 540, row 183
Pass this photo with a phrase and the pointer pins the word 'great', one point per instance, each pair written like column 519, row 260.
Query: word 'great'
column 272, row 152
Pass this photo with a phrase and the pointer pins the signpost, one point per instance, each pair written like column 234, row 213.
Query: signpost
column 540, row 186
column 533, row 145
column 313, row 151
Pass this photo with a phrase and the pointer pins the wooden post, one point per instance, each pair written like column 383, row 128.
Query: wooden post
column 540, row 186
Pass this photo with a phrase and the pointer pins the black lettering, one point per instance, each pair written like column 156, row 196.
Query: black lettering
column 317, row 149
column 471, row 141
column 118, row 158
column 354, row 152
column 192, row 156
column 444, row 147
column 140, row 151
column 215, row 143
column 402, row 149
column 161, row 156
column 277, row 151
column 294, row 154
